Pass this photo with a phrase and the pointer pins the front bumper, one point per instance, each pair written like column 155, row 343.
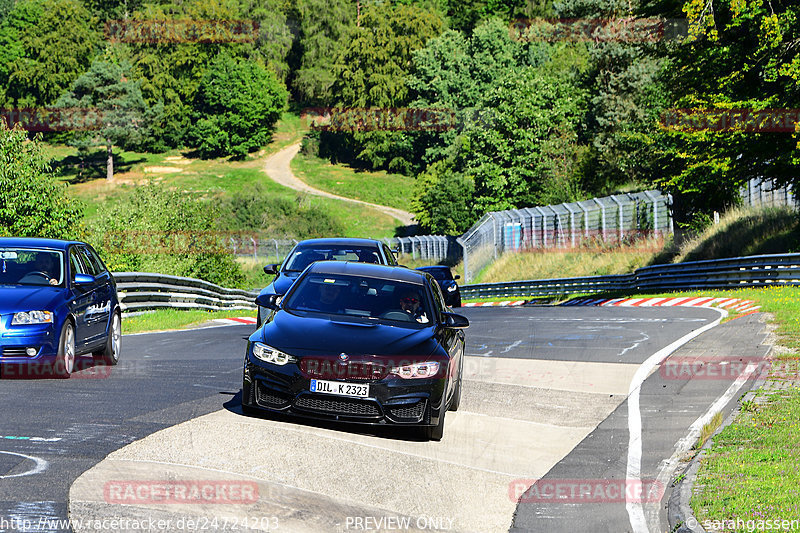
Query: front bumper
column 392, row 400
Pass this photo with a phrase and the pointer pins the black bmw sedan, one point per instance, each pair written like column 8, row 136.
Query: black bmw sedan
column 358, row 343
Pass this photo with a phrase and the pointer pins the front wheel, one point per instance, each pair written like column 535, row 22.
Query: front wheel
column 111, row 351
column 65, row 360
column 435, row 432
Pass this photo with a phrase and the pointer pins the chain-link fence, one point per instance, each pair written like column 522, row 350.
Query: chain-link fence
column 612, row 219
column 766, row 193
column 434, row 248
column 438, row 248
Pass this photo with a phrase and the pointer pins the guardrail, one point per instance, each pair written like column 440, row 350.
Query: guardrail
column 733, row 273
column 140, row 291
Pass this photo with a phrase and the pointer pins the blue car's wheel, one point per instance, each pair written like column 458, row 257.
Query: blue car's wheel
column 65, row 360
column 110, row 353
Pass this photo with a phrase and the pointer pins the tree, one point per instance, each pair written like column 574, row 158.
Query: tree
column 739, row 56
column 534, row 117
column 238, row 104
column 32, row 202
column 371, row 72
column 323, row 26
column 118, row 103
column 442, row 200
column 44, row 46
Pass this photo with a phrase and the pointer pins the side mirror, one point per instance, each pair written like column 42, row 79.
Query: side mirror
column 272, row 268
column 270, row 301
column 83, row 279
column 456, row 277
column 454, row 321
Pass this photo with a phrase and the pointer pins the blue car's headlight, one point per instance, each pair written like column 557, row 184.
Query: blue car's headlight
column 32, row 317
column 451, row 288
column 272, row 355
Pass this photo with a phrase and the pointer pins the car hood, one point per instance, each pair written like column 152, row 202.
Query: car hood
column 281, row 283
column 303, row 336
column 16, row 298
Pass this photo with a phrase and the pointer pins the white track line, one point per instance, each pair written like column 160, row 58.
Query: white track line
column 683, row 445
column 634, row 467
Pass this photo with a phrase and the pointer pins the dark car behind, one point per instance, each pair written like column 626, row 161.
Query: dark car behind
column 309, row 251
column 447, row 282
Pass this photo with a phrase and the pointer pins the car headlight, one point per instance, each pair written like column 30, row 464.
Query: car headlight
column 271, row 355
column 32, row 317
column 451, row 288
column 417, row 370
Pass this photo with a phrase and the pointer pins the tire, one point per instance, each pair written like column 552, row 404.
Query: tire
column 248, row 408
column 456, row 401
column 111, row 352
column 436, row 432
column 65, row 360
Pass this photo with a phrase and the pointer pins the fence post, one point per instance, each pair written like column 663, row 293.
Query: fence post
column 619, row 211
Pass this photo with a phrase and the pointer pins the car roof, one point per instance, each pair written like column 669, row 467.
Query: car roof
column 339, row 241
column 34, row 242
column 352, row 268
column 434, row 267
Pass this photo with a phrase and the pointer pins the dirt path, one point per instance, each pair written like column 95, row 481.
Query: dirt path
column 278, row 168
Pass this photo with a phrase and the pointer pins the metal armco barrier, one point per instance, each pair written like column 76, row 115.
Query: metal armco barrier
column 733, row 273
column 139, row 291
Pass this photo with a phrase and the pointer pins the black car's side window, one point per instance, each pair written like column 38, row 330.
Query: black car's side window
column 389, row 255
column 441, row 307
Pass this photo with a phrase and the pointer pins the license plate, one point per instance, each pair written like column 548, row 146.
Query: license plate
column 342, row 389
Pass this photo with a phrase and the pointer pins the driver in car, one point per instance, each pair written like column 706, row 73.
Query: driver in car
column 410, row 303
column 45, row 265
column 330, row 298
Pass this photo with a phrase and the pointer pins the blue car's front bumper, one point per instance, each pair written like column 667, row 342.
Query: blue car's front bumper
column 16, row 341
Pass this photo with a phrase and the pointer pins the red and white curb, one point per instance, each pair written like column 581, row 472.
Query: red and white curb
column 238, row 321
column 731, row 304
column 489, row 304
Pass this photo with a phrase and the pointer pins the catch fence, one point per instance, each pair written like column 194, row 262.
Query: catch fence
column 617, row 219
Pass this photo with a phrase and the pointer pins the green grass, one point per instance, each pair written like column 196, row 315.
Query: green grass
column 169, row 319
column 211, row 178
column 751, row 471
column 518, row 266
column 380, row 188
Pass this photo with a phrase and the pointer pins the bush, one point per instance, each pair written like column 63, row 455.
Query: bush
column 159, row 230
column 32, row 201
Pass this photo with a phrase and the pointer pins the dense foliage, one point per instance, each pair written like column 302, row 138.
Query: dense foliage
column 537, row 111
column 32, row 202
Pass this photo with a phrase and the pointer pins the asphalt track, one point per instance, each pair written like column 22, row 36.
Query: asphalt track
column 544, row 407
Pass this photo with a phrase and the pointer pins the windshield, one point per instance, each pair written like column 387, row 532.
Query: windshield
column 440, row 274
column 302, row 257
column 357, row 296
column 26, row 266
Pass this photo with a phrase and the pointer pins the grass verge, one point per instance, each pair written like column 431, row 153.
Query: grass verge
column 168, row 319
column 751, row 472
column 380, row 188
